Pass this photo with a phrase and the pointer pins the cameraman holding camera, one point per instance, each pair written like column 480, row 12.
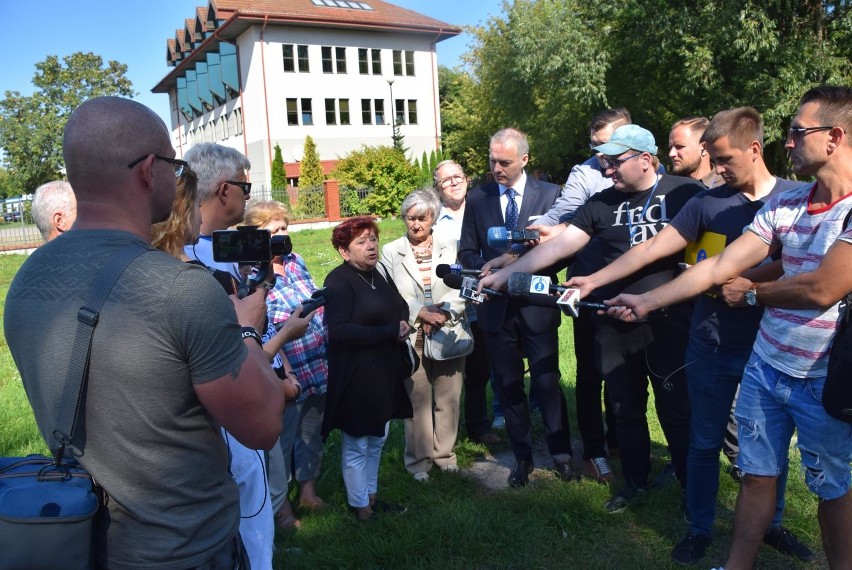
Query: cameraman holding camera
column 223, row 192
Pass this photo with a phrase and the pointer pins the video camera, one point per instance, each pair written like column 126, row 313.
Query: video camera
column 249, row 245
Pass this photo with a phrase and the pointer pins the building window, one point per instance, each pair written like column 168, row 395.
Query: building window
column 380, row 111
column 289, row 58
column 327, row 64
column 304, row 65
column 377, row 61
column 340, row 59
column 399, row 117
column 366, row 112
column 363, row 64
column 409, row 63
column 344, row 111
column 412, row 111
column 397, row 62
column 292, row 112
column 307, row 112
column 330, row 112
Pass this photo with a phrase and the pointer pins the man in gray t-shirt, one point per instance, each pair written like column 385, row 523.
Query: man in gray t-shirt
column 168, row 364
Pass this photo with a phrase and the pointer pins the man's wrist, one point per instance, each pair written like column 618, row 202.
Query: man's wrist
column 251, row 332
column 751, row 296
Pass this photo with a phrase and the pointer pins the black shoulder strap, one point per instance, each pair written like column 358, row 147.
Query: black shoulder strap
column 68, row 411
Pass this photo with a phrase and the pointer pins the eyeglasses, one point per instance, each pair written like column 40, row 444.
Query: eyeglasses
column 245, row 186
column 798, row 132
column 179, row 165
column 615, row 163
column 451, row 180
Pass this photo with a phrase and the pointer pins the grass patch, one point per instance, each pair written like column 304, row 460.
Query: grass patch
column 452, row 521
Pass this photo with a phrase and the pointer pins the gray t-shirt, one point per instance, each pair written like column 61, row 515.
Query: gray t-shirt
column 145, row 437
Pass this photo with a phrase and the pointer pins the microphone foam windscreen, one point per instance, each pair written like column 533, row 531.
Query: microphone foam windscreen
column 442, row 270
column 453, row 280
column 519, row 284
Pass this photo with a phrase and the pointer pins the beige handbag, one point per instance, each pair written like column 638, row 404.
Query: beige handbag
column 453, row 340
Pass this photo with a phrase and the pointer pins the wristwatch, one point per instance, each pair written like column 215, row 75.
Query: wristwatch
column 251, row 332
column 751, row 297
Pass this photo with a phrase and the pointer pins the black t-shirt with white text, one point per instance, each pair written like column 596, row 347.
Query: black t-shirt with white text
column 620, row 220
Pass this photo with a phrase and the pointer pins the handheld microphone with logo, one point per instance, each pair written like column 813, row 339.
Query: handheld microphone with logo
column 467, row 287
column 444, row 269
column 500, row 238
column 530, row 286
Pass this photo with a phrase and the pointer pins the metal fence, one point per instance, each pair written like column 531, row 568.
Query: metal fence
column 20, row 234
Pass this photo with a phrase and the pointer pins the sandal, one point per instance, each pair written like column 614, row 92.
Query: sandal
column 287, row 521
column 314, row 504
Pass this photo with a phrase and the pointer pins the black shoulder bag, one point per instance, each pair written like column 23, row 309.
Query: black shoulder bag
column 837, row 392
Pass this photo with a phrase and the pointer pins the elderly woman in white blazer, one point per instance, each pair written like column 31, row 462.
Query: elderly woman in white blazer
column 436, row 387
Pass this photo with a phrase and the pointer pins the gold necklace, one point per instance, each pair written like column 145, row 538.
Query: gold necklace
column 372, row 278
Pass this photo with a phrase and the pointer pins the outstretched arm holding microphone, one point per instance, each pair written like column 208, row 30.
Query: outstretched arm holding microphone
column 544, row 255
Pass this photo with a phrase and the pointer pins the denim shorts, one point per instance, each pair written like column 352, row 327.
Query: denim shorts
column 770, row 406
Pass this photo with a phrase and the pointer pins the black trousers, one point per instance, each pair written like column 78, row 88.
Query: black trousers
column 588, row 385
column 476, row 376
column 628, row 355
column 506, row 349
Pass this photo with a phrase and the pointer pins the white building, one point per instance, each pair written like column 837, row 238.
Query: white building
column 251, row 74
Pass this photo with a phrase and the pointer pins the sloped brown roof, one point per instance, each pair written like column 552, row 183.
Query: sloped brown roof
column 382, row 14
column 236, row 16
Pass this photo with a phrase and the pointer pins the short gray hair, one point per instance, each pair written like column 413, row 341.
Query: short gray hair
column 51, row 197
column 422, row 201
column 214, row 164
column 520, row 139
column 441, row 165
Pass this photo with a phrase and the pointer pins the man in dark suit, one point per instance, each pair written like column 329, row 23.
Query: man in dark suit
column 513, row 329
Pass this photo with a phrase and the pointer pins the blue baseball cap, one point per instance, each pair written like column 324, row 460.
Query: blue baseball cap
column 627, row 137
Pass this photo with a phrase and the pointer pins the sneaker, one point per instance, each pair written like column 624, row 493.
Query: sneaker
column 450, row 468
column 786, row 542
column 598, row 469
column 624, row 498
column 421, row 477
column 665, row 478
column 498, row 423
column 691, row 548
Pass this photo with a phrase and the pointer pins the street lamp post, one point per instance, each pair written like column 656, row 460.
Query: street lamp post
column 392, row 111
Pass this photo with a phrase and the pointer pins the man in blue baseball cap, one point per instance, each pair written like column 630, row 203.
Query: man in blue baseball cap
column 639, row 204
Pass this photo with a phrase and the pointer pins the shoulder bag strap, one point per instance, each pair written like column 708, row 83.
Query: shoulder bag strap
column 68, row 411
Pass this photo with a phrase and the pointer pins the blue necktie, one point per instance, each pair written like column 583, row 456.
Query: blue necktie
column 511, row 210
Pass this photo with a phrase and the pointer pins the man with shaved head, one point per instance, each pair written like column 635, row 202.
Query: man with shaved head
column 172, row 356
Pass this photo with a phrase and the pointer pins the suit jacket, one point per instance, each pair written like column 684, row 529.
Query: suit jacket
column 399, row 260
column 483, row 211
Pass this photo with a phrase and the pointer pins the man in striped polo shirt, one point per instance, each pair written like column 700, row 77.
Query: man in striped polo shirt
column 782, row 385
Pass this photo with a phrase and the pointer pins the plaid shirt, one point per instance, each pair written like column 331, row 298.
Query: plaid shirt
column 307, row 355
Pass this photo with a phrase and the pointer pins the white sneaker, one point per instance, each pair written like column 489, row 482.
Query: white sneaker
column 450, row 468
column 499, row 423
column 421, row 477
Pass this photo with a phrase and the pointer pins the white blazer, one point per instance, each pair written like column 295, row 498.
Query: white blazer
column 399, row 260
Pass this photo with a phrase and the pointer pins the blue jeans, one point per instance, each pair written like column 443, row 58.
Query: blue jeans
column 713, row 374
column 771, row 405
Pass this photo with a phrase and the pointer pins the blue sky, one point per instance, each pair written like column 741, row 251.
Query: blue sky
column 134, row 32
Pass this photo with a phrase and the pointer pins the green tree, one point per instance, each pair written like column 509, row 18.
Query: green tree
column 384, row 171
column 466, row 122
column 7, row 185
column 278, row 180
column 31, row 126
column 311, row 202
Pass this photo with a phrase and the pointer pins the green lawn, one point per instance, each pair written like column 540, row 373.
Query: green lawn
column 452, row 521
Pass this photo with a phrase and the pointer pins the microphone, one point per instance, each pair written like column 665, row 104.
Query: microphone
column 533, row 287
column 444, row 269
column 467, row 286
column 500, row 238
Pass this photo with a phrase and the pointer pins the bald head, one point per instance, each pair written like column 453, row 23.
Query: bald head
column 103, row 136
